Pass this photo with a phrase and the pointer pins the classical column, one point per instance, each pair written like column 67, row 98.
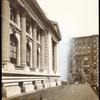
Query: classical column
column 5, row 31
column 23, row 40
column 34, row 48
column 31, row 46
column 42, row 50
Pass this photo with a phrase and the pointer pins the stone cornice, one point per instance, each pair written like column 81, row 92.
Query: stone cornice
column 28, row 75
column 56, row 24
column 39, row 12
column 83, row 37
column 26, row 7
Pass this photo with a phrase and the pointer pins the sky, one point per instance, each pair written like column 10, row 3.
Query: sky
column 75, row 18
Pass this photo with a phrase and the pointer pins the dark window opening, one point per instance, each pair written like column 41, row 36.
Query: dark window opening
column 23, row 89
column 27, row 26
column 13, row 48
column 35, row 85
column 43, row 84
column 13, row 14
column 28, row 54
column 53, row 55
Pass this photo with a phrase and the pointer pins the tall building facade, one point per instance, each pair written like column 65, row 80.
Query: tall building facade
column 30, row 43
column 84, row 60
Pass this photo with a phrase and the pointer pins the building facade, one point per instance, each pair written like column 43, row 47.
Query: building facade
column 30, row 43
column 84, row 60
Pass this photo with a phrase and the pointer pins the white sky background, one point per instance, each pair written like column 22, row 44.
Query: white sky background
column 75, row 18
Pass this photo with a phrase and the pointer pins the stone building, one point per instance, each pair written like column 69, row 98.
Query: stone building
column 84, row 60
column 30, row 43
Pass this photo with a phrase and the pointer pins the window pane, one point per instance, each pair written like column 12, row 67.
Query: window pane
column 13, row 51
column 14, row 55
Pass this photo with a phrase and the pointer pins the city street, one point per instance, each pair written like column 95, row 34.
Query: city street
column 70, row 92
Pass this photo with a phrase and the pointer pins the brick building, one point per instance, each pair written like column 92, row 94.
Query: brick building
column 84, row 61
column 30, row 44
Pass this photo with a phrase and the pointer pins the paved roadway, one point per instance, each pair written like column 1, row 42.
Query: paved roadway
column 70, row 92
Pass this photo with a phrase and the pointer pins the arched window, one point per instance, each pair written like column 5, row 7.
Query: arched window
column 28, row 49
column 13, row 48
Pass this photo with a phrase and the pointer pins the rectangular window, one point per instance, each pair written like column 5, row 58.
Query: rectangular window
column 27, row 26
column 54, row 55
column 13, row 14
column 39, row 48
column 38, row 55
column 28, row 58
column 13, row 48
column 28, row 54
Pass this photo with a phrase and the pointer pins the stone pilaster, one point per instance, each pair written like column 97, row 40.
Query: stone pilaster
column 5, row 31
column 42, row 50
column 34, row 48
column 39, row 52
column 23, row 40
column 31, row 57
column 46, row 50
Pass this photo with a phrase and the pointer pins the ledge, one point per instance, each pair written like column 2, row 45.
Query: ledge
column 18, row 67
column 28, row 75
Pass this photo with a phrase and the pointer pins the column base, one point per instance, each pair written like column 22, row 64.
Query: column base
column 23, row 65
column 27, row 68
column 18, row 67
column 33, row 69
column 5, row 61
